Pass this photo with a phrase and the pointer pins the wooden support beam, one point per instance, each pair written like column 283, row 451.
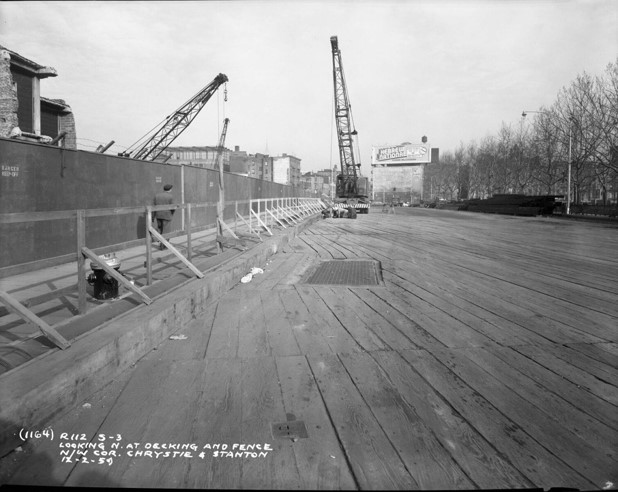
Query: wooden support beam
column 148, row 246
column 112, row 272
column 82, row 304
column 287, row 215
column 231, row 242
column 261, row 222
column 16, row 307
column 227, row 228
column 274, row 217
column 249, row 226
column 177, row 253
column 188, row 228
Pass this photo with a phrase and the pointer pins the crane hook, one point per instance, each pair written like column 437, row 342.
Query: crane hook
column 225, row 92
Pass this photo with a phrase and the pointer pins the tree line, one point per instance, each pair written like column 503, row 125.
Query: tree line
column 531, row 156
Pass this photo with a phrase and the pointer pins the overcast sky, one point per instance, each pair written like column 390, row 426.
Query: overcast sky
column 451, row 70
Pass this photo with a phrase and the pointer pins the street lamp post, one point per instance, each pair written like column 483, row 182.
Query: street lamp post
column 568, row 207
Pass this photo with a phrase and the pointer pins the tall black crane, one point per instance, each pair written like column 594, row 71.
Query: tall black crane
column 177, row 122
column 348, row 181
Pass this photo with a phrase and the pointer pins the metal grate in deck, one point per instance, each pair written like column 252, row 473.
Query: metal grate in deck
column 353, row 273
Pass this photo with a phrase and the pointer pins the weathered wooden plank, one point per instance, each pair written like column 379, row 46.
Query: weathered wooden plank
column 278, row 327
column 197, row 333
column 372, row 457
column 569, row 447
column 333, row 243
column 603, row 390
column 570, row 392
column 253, row 337
column 262, row 405
column 434, row 321
column 217, row 423
column 365, row 305
column 419, row 335
column 141, row 415
column 604, row 372
column 567, row 415
column 541, row 467
column 476, row 456
column 494, row 300
column 42, row 464
column 16, row 307
column 223, row 340
column 304, row 311
column 281, row 266
column 597, row 351
column 337, row 301
column 531, row 296
column 318, row 246
column 425, row 457
column 314, row 455
column 498, row 329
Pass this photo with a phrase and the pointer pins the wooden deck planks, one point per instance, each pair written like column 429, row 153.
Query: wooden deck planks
column 372, row 457
column 315, row 328
column 142, row 415
column 534, row 463
column 197, row 333
column 581, row 399
column 597, row 351
column 601, row 436
column 467, row 448
column 458, row 373
column 496, row 328
column 425, row 457
column 544, row 429
column 580, row 377
column 319, row 459
column 223, row 340
column 262, row 405
column 216, row 422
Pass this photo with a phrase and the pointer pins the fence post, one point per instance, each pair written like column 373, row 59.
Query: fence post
column 148, row 246
column 188, row 225
column 82, row 305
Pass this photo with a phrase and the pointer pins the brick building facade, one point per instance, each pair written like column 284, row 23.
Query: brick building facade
column 24, row 113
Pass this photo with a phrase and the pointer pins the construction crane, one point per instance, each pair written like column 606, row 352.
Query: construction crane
column 220, row 147
column 351, row 188
column 176, row 123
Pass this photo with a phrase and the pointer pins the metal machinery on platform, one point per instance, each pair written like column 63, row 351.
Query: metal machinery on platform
column 105, row 286
column 352, row 188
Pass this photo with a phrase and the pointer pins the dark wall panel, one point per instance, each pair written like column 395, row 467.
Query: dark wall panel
column 24, row 99
column 37, row 178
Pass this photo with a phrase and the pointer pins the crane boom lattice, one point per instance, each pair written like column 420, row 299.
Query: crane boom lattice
column 178, row 121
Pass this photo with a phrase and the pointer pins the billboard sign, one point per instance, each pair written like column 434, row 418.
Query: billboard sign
column 401, row 154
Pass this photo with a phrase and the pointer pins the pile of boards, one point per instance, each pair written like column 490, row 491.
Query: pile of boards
column 512, row 204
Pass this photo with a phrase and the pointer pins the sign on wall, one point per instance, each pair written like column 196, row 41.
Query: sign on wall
column 401, row 154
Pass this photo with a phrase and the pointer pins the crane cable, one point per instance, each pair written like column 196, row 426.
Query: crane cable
column 356, row 140
column 219, row 105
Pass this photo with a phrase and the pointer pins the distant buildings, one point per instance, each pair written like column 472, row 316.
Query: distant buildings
column 196, row 156
column 286, row 170
column 319, row 182
column 24, row 113
column 257, row 165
